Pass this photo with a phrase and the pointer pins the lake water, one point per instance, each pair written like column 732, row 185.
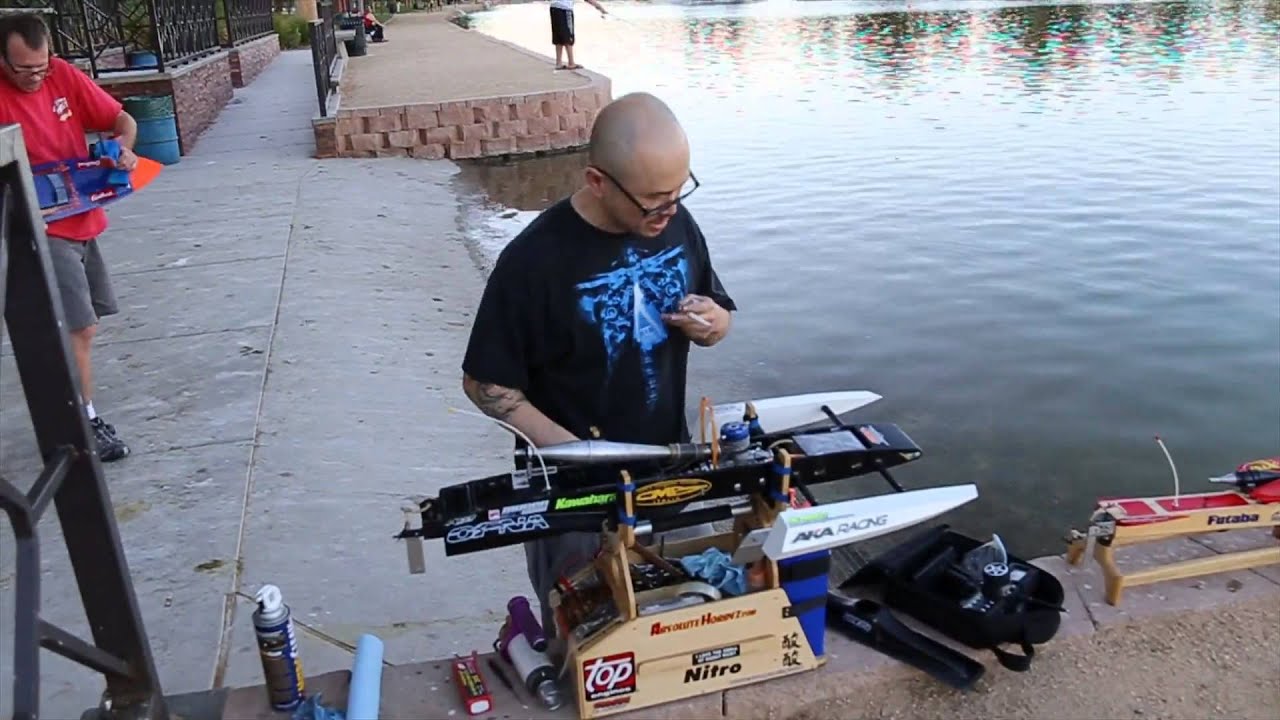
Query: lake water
column 1045, row 233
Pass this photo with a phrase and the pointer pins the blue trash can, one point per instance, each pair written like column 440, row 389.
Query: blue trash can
column 141, row 59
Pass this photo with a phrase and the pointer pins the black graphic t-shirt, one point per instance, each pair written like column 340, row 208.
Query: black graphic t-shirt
column 572, row 317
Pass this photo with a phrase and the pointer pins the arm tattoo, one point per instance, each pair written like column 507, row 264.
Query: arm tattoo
column 495, row 400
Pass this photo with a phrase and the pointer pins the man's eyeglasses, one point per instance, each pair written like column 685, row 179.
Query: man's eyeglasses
column 27, row 70
column 690, row 185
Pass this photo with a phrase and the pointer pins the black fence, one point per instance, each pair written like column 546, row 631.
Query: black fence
column 324, row 52
column 187, row 30
column 71, row 480
column 247, row 20
column 84, row 30
column 129, row 35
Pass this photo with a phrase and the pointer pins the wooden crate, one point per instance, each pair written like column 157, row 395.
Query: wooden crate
column 644, row 661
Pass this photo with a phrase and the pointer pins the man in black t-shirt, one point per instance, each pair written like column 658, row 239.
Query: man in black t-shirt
column 589, row 312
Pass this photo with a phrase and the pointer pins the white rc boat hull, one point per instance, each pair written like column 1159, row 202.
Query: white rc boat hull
column 822, row 527
column 791, row 411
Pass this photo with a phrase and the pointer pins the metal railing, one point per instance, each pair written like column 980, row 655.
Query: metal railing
column 175, row 32
column 324, row 52
column 82, row 29
column 71, row 480
column 247, row 20
column 187, row 30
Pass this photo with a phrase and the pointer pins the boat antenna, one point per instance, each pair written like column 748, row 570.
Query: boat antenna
column 1176, row 491
column 513, row 429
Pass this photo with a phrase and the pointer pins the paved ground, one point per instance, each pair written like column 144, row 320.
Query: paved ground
column 290, row 336
column 448, row 63
column 1207, row 663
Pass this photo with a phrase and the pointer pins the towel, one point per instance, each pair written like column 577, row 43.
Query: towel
column 313, row 709
column 714, row 567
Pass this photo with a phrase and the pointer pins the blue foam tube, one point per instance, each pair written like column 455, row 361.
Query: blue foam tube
column 366, row 680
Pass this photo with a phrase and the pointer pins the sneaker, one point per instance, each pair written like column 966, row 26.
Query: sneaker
column 109, row 446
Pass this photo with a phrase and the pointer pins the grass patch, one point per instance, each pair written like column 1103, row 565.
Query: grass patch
column 293, row 31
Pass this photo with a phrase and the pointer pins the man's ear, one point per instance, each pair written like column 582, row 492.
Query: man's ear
column 595, row 181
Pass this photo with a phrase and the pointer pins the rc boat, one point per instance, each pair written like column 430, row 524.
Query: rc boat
column 642, row 627
column 1115, row 522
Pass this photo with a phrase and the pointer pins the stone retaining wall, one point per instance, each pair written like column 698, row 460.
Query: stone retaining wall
column 250, row 59
column 467, row 129
column 200, row 91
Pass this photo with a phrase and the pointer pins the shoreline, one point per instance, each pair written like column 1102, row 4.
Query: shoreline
column 1143, row 658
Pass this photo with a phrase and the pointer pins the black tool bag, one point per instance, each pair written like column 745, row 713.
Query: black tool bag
column 926, row 578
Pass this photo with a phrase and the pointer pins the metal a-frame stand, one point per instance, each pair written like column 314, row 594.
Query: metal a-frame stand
column 72, row 478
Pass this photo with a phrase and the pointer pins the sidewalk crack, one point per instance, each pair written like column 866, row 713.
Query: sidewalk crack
column 313, row 631
column 229, row 605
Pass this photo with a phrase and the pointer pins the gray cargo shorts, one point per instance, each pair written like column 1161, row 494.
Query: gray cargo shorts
column 83, row 282
column 547, row 559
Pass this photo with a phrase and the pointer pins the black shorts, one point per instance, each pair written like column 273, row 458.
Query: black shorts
column 561, row 26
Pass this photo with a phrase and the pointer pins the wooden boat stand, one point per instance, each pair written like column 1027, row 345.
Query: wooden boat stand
column 641, row 661
column 1130, row 521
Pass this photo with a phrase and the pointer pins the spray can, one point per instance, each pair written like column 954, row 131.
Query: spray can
column 278, row 648
column 534, row 668
column 522, row 617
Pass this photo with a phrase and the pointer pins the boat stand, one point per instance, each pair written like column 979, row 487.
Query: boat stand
column 635, row 659
column 1131, row 521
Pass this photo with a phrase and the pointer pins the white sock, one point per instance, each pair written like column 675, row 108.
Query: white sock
column 88, row 407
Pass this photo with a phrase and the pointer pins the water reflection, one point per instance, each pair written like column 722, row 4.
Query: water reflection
column 528, row 185
column 1041, row 49
column 748, row 77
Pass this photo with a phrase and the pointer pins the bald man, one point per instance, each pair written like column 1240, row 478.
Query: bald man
column 589, row 313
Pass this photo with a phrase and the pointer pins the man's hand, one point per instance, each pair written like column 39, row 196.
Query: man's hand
column 699, row 317
column 128, row 160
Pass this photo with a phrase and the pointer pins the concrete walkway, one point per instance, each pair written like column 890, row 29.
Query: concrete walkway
column 448, row 63
column 289, row 339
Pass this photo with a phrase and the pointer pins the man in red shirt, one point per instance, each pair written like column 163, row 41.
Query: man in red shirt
column 55, row 103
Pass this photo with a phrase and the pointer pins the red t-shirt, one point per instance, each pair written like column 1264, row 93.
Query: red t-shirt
column 54, row 120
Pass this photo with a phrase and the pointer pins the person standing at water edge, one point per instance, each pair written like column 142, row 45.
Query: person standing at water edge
column 588, row 315
column 56, row 104
column 562, row 32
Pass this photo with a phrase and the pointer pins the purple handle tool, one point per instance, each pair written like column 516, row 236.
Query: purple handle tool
column 523, row 620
